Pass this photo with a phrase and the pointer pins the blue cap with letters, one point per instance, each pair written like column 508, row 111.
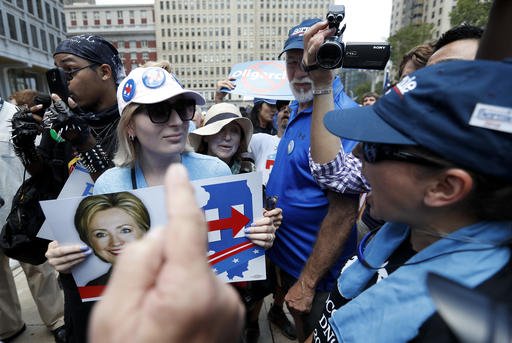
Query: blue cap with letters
column 296, row 35
column 459, row 110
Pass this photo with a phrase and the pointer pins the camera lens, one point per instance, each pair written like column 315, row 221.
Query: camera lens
column 330, row 55
column 330, row 17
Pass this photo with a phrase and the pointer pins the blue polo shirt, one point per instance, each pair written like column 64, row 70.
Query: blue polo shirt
column 303, row 202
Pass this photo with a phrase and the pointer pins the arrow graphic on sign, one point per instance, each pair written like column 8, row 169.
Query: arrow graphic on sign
column 237, row 222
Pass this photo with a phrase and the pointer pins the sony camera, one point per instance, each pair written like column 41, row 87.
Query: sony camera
column 333, row 53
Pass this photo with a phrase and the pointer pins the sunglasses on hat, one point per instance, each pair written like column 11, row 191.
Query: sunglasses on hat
column 160, row 112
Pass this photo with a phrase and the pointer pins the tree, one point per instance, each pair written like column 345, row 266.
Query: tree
column 407, row 38
column 473, row 12
column 361, row 89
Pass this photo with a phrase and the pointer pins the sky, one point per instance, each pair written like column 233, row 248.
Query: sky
column 367, row 20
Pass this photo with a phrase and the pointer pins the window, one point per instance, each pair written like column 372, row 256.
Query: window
column 119, row 14
column 133, row 44
column 13, row 34
column 39, row 9
column 72, row 15
column 56, row 17
column 2, row 32
column 52, row 42
column 96, row 18
column 44, row 45
column 133, row 55
column 48, row 13
column 63, row 21
column 35, row 40
column 24, row 33
column 30, row 7
column 145, row 56
column 144, row 43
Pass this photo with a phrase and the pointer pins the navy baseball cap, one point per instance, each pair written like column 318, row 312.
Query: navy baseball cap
column 268, row 101
column 296, row 35
column 459, row 110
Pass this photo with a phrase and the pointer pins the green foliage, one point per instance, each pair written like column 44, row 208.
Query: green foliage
column 407, row 38
column 361, row 89
column 473, row 12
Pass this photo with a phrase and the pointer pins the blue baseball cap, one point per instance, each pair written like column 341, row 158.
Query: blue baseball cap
column 268, row 101
column 459, row 110
column 296, row 35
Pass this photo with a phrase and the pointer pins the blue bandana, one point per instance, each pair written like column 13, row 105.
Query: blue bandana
column 95, row 49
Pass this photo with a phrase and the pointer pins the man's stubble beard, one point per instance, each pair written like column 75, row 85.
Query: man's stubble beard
column 302, row 96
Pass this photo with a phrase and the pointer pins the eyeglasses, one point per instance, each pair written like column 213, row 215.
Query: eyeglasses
column 70, row 74
column 160, row 113
column 373, row 152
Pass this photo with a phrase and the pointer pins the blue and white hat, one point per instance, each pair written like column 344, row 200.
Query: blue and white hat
column 459, row 110
column 296, row 35
column 150, row 86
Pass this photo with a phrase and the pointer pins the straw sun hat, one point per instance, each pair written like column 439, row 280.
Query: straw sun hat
column 218, row 116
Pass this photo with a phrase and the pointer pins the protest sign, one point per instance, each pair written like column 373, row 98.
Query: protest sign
column 230, row 204
column 261, row 79
column 79, row 183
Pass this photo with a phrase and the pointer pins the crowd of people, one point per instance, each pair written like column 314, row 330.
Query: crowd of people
column 362, row 202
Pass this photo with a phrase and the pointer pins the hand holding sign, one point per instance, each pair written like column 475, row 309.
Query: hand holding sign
column 175, row 296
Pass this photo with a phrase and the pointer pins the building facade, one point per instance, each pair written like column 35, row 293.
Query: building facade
column 203, row 39
column 29, row 32
column 407, row 12
column 131, row 28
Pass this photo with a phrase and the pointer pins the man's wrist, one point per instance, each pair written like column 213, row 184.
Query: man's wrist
column 307, row 282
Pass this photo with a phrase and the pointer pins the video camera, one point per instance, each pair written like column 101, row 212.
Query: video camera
column 333, row 53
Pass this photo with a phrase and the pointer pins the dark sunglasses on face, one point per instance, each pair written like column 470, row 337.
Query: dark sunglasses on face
column 70, row 74
column 373, row 152
column 160, row 113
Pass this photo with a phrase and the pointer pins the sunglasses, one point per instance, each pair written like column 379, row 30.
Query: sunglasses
column 373, row 153
column 160, row 113
column 70, row 74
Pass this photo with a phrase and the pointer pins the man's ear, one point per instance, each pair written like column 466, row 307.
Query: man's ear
column 448, row 187
column 105, row 71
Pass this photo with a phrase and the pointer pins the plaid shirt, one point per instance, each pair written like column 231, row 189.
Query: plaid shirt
column 342, row 174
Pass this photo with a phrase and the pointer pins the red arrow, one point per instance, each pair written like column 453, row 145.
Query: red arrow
column 237, row 222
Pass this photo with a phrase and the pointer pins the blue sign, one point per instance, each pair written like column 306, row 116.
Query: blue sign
column 261, row 79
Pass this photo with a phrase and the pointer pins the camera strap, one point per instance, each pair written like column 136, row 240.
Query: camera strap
column 310, row 67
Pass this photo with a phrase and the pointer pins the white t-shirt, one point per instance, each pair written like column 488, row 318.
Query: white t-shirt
column 264, row 148
column 11, row 174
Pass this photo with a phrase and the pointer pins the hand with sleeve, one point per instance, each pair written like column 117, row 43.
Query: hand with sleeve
column 262, row 232
column 69, row 124
column 65, row 257
column 25, row 127
column 223, row 84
